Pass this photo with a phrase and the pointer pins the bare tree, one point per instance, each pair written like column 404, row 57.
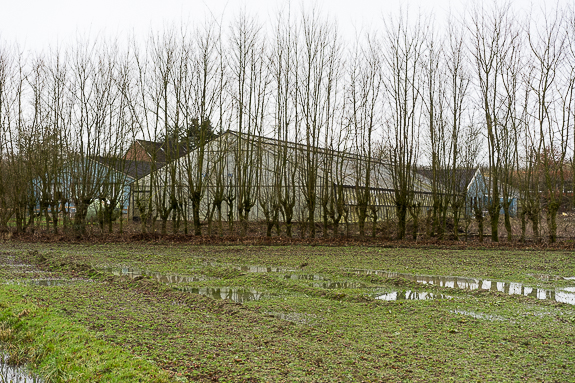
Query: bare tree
column 434, row 97
column 7, row 138
column 318, row 72
column 552, row 88
column 200, row 97
column 92, row 94
column 17, row 146
column 492, row 35
column 250, row 79
column 283, row 66
column 364, row 88
column 402, row 71
column 511, row 127
column 463, row 134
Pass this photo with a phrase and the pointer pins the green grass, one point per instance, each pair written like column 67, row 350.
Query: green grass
column 61, row 350
column 332, row 335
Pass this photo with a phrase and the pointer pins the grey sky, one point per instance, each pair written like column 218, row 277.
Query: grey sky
column 37, row 24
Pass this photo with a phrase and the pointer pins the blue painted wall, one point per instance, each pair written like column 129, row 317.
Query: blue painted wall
column 96, row 170
column 478, row 191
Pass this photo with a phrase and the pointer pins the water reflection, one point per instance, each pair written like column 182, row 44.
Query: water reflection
column 304, row 277
column 47, row 282
column 563, row 295
column 12, row 267
column 339, row 285
column 324, row 285
column 56, row 282
column 163, row 278
column 15, row 374
column 476, row 315
column 262, row 269
column 411, row 295
column 233, row 294
column 547, row 277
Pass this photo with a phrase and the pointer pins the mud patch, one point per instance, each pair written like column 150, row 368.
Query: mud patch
column 295, row 317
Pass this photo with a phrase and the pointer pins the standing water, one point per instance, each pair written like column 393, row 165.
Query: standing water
column 564, row 295
column 11, row 374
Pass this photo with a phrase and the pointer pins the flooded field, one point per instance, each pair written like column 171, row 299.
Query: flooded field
column 168, row 313
column 563, row 294
column 242, row 295
column 160, row 277
column 238, row 295
column 411, row 295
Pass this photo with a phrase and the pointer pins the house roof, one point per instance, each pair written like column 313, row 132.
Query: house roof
column 321, row 150
column 381, row 176
column 162, row 151
column 461, row 176
column 133, row 169
column 381, row 170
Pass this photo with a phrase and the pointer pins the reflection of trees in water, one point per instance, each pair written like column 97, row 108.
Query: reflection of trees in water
column 410, row 295
column 236, row 295
column 510, row 288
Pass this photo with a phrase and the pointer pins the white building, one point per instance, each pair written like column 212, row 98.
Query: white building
column 263, row 172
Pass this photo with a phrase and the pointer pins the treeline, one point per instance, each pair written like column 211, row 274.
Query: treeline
column 493, row 90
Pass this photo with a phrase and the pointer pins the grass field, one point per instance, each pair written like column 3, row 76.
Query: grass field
column 132, row 312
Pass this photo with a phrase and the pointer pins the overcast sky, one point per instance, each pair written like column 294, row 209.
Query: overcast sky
column 38, row 24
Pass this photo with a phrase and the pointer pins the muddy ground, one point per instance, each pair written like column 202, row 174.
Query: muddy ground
column 295, row 312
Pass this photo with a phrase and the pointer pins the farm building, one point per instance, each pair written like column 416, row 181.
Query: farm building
column 262, row 175
column 456, row 180
column 89, row 181
column 472, row 185
column 151, row 151
column 478, row 192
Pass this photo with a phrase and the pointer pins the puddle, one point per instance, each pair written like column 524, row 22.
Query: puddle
column 411, row 296
column 15, row 374
column 163, row 278
column 339, row 285
column 11, row 267
column 262, row 269
column 251, row 269
column 563, row 295
column 234, row 294
column 304, row 277
column 547, row 278
column 47, row 282
column 324, row 285
column 480, row 315
column 294, row 317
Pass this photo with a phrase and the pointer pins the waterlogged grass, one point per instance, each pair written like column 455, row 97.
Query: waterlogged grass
column 301, row 330
column 514, row 265
column 43, row 337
